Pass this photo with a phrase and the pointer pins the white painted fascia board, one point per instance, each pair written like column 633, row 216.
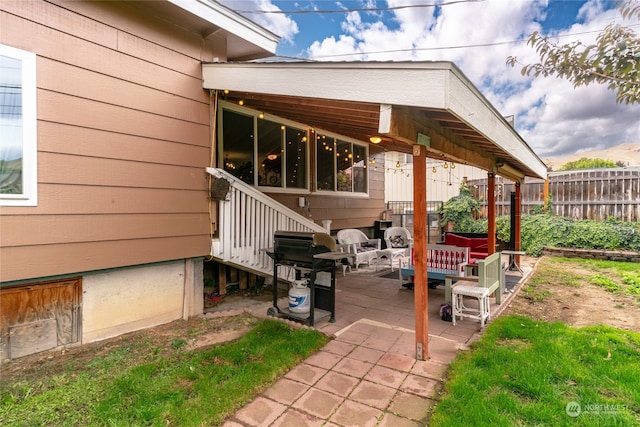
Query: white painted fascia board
column 231, row 22
column 414, row 84
column 468, row 104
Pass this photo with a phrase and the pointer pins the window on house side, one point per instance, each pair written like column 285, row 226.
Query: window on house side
column 341, row 165
column 279, row 149
column 18, row 133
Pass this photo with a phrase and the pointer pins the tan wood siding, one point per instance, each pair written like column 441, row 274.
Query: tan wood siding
column 137, row 22
column 58, row 77
column 62, row 138
column 64, row 47
column 54, row 229
column 76, row 111
column 46, row 260
column 124, row 138
column 80, row 199
column 54, row 168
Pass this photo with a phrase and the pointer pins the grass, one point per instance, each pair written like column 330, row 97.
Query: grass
column 528, row 373
column 614, row 276
column 521, row 373
column 532, row 373
column 186, row 388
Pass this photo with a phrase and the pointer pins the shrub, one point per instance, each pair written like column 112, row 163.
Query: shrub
column 545, row 230
column 460, row 209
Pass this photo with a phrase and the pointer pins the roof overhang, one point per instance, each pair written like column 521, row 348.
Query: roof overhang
column 399, row 101
column 245, row 40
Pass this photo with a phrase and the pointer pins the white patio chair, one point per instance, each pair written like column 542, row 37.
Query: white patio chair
column 364, row 249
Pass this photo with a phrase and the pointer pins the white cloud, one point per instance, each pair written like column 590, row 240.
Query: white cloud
column 278, row 23
column 552, row 116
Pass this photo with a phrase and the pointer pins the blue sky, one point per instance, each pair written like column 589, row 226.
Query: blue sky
column 554, row 118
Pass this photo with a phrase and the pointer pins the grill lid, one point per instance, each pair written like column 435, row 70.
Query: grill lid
column 316, row 238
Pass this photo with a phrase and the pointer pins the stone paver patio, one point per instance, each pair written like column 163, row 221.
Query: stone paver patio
column 367, row 375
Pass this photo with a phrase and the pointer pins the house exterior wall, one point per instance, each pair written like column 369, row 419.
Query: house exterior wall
column 123, row 140
column 120, row 301
column 123, row 129
column 343, row 211
column 442, row 184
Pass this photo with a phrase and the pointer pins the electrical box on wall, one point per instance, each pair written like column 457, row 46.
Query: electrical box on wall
column 302, row 202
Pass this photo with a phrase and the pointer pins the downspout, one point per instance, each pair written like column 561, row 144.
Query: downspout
column 213, row 102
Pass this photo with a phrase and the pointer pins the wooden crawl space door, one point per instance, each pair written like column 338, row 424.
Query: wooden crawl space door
column 39, row 316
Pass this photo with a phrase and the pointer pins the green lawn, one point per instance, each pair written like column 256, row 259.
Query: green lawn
column 185, row 388
column 531, row 373
column 524, row 372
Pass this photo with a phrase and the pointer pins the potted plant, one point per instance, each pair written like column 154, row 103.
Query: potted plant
column 457, row 213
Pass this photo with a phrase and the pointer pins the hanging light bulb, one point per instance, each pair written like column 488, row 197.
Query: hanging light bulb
column 445, row 165
column 453, row 165
column 434, row 170
column 398, row 164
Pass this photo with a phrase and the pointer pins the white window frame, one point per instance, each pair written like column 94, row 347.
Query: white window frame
column 343, row 138
column 225, row 105
column 29, row 196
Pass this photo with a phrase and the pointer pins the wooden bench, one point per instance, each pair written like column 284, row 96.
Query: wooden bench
column 487, row 282
column 478, row 246
column 442, row 261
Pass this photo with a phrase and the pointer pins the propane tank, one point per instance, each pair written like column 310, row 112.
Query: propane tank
column 299, row 295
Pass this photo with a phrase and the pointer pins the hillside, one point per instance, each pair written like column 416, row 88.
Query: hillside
column 628, row 153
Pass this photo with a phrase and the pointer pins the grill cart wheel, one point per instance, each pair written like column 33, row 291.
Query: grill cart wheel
column 272, row 312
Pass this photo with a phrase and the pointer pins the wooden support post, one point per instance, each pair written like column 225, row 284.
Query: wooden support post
column 420, row 292
column 243, row 279
column 491, row 212
column 545, row 192
column 222, row 279
column 518, row 213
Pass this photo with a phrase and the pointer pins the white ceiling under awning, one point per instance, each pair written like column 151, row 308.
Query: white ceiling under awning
column 397, row 101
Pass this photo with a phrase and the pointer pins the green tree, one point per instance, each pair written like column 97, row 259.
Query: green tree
column 585, row 163
column 613, row 60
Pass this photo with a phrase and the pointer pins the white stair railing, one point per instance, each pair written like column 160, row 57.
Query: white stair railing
column 247, row 221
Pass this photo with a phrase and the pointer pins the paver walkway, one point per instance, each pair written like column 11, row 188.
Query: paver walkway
column 367, row 375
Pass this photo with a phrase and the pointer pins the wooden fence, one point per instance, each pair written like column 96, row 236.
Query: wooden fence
column 595, row 194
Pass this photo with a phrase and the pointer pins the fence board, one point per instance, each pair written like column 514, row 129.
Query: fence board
column 595, row 194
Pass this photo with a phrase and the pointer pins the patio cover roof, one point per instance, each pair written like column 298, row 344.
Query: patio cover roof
column 397, row 101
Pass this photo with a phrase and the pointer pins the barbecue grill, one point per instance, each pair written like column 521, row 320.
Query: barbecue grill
column 308, row 253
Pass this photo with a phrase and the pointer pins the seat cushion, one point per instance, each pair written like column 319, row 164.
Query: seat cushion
column 398, row 242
